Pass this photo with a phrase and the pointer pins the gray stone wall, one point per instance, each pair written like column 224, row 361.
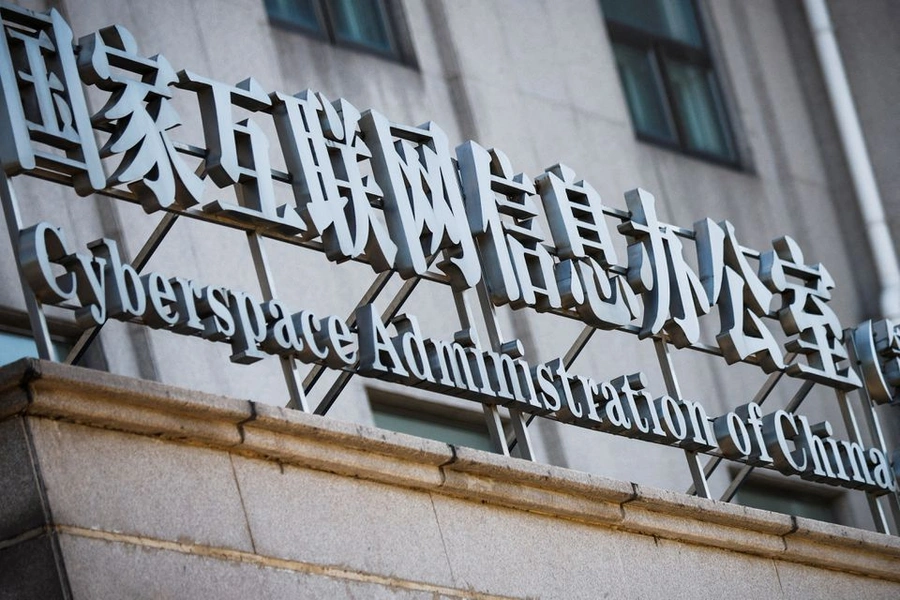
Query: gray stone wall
column 117, row 488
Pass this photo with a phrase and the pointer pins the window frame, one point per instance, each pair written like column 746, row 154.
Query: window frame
column 660, row 48
column 436, row 410
column 399, row 50
column 815, row 495
column 62, row 331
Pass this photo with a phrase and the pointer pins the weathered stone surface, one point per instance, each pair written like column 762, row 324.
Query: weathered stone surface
column 714, row 511
column 30, row 570
column 150, row 572
column 305, row 515
column 125, row 403
column 356, row 450
column 844, row 548
column 350, row 435
column 126, row 483
column 21, row 509
column 508, row 552
column 686, row 572
column 810, row 583
column 688, row 518
column 517, row 471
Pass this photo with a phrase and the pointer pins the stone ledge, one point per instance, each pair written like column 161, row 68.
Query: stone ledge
column 101, row 399
column 48, row 390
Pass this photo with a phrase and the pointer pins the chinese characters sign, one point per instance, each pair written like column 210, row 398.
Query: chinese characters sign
column 396, row 196
column 401, row 199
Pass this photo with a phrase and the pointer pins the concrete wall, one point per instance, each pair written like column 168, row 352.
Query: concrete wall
column 116, row 488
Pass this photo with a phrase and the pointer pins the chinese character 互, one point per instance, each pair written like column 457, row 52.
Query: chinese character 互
column 238, row 154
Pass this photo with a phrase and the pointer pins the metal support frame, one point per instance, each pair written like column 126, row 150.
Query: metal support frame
column 870, row 415
column 878, row 515
column 88, row 336
column 701, row 486
column 759, row 398
column 492, row 418
column 289, row 367
column 390, row 312
column 520, row 425
column 370, row 295
column 36, row 317
column 893, row 498
column 299, row 390
column 568, row 360
column 745, row 471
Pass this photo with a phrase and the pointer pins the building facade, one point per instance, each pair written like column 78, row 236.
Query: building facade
column 315, row 159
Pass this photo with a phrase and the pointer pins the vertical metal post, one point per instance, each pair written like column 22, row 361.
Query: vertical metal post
column 668, row 373
column 871, row 418
column 36, row 318
column 874, row 426
column 289, row 366
column 491, row 412
column 878, row 515
column 520, row 425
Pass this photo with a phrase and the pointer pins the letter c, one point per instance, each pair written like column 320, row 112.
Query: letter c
column 41, row 246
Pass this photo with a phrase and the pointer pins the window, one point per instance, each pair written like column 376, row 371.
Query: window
column 14, row 346
column 456, row 426
column 668, row 78
column 364, row 24
column 788, row 501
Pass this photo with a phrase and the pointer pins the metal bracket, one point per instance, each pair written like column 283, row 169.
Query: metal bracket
column 36, row 317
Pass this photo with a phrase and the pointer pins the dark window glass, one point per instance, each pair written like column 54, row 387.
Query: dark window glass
column 672, row 19
column 667, row 75
column 362, row 22
column 699, row 109
column 365, row 24
column 424, row 419
column 640, row 79
column 301, row 13
column 786, row 501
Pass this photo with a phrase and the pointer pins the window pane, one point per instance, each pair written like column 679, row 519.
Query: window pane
column 450, row 431
column 14, row 346
column 699, row 109
column 360, row 21
column 642, row 90
column 672, row 19
column 787, row 502
column 295, row 12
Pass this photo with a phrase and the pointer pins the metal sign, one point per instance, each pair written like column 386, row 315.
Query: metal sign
column 399, row 199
